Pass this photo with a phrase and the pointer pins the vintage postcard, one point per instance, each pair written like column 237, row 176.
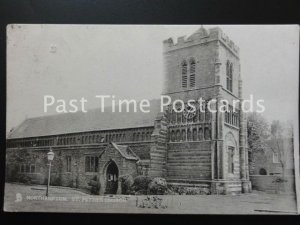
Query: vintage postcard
column 162, row 119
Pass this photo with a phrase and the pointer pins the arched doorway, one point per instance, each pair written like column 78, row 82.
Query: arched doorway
column 112, row 175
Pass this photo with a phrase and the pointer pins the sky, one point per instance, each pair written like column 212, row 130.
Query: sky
column 74, row 61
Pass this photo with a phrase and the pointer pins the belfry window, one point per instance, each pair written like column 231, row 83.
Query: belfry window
column 192, row 72
column 229, row 72
column 184, row 74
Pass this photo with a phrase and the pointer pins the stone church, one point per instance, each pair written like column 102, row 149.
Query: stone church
column 200, row 149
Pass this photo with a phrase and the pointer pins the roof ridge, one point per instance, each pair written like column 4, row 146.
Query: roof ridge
column 79, row 122
column 127, row 156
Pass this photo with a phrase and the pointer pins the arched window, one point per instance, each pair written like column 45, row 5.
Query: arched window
column 200, row 134
column 229, row 72
column 183, row 118
column 206, row 133
column 183, row 135
column 196, row 117
column 262, row 171
column 178, row 135
column 194, row 134
column 189, row 135
column 179, row 117
column 230, row 159
column 172, row 135
column 147, row 136
column 173, row 116
column 192, row 72
column 184, row 74
column 143, row 136
column 201, row 113
column 207, row 112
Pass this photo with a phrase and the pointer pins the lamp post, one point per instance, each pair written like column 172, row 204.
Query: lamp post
column 50, row 156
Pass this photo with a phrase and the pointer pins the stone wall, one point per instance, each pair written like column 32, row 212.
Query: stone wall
column 158, row 148
column 77, row 177
column 272, row 184
column 189, row 160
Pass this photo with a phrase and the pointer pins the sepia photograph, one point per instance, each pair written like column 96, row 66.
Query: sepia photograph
column 152, row 119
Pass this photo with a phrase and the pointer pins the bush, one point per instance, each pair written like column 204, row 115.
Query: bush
column 158, row 186
column 11, row 175
column 279, row 180
column 23, row 178
column 140, row 184
column 181, row 190
column 95, row 185
column 177, row 190
column 126, row 184
column 152, row 202
column 55, row 180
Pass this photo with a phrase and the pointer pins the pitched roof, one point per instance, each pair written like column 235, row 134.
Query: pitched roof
column 93, row 120
column 142, row 151
column 125, row 151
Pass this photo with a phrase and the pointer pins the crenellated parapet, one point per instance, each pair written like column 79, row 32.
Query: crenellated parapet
column 201, row 36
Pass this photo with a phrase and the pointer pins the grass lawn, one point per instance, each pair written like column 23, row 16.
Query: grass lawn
column 32, row 199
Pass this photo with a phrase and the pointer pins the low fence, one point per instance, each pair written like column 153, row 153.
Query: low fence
column 273, row 183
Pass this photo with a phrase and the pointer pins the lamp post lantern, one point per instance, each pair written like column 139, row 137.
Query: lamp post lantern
column 50, row 156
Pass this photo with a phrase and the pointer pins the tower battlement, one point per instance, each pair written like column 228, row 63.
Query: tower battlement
column 201, row 36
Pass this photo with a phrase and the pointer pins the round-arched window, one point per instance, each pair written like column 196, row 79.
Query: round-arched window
column 262, row 171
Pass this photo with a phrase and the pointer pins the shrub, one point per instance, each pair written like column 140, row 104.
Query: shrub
column 177, row 190
column 140, row 184
column 181, row 190
column 158, row 186
column 23, row 178
column 55, row 181
column 11, row 175
column 95, row 185
column 279, row 180
column 152, row 202
column 126, row 184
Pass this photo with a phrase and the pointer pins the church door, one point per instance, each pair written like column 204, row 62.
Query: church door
column 112, row 174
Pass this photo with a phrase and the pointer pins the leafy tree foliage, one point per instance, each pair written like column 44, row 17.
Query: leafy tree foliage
column 258, row 132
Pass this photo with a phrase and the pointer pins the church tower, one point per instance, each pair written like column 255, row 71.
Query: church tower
column 205, row 148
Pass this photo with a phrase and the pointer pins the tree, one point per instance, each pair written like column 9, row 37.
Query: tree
column 258, row 132
column 279, row 133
